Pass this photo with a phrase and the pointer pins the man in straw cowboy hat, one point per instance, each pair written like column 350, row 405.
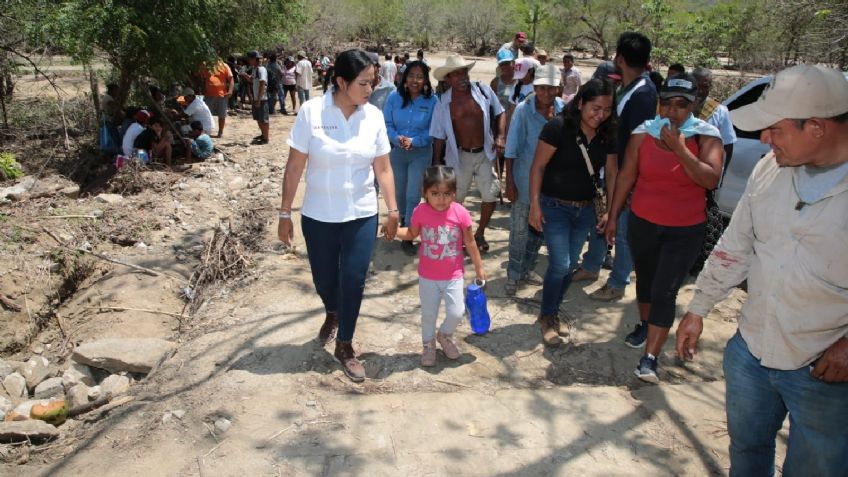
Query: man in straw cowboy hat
column 788, row 237
column 469, row 127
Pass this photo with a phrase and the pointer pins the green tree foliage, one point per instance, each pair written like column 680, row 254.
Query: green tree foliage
column 164, row 39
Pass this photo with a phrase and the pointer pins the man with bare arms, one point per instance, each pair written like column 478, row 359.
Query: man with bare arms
column 469, row 131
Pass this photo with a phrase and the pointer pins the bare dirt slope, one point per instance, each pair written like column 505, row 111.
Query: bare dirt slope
column 508, row 406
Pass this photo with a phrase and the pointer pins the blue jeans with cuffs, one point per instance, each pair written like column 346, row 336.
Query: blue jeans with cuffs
column 565, row 230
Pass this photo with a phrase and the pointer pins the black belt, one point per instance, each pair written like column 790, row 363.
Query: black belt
column 472, row 150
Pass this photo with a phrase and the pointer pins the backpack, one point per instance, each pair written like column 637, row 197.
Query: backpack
column 492, row 123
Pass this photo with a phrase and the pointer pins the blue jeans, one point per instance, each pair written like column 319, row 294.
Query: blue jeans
column 302, row 95
column 565, row 230
column 408, row 168
column 339, row 255
column 273, row 97
column 597, row 253
column 758, row 400
column 272, row 100
column 622, row 262
column 524, row 242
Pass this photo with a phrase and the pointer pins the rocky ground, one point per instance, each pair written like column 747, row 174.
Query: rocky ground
column 240, row 387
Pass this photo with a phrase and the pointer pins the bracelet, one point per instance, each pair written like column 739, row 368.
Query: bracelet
column 285, row 215
column 394, row 210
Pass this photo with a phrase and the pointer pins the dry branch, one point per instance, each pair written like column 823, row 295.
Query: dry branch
column 143, row 310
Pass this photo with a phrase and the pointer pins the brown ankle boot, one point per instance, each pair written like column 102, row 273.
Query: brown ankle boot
column 328, row 329
column 351, row 366
column 550, row 330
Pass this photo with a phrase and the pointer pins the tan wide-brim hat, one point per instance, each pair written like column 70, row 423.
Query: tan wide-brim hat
column 452, row 63
column 799, row 92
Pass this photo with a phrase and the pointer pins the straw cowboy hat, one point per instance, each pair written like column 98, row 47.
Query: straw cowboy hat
column 452, row 63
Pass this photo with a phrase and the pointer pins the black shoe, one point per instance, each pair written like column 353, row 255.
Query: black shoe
column 647, row 370
column 408, row 248
column 637, row 338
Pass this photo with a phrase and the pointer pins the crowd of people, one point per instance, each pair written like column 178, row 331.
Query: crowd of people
column 623, row 165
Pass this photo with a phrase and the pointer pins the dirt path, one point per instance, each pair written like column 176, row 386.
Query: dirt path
column 508, row 406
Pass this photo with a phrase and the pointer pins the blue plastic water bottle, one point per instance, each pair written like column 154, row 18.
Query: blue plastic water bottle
column 475, row 302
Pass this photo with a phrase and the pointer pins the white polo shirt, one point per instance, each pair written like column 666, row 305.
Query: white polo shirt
column 339, row 169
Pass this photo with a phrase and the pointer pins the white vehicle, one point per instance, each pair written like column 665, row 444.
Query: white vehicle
column 747, row 150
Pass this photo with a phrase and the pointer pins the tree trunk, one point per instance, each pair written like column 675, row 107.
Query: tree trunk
column 95, row 91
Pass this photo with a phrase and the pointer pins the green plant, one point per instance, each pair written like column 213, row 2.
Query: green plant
column 10, row 167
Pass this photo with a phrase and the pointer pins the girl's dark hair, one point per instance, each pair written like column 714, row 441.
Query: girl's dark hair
column 349, row 64
column 516, row 90
column 438, row 175
column 428, row 89
column 590, row 90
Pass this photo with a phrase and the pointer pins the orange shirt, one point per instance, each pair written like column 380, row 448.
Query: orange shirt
column 216, row 81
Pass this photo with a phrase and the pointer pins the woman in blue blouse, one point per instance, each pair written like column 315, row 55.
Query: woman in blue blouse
column 408, row 112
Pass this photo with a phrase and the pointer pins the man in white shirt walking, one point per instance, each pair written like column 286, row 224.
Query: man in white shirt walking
column 788, row 237
column 303, row 77
column 259, row 78
column 388, row 70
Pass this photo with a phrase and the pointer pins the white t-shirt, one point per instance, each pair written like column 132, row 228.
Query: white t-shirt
column 129, row 138
column 198, row 111
column 339, row 171
column 304, row 71
column 259, row 75
column 388, row 71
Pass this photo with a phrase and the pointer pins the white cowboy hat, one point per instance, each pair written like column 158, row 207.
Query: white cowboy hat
column 452, row 63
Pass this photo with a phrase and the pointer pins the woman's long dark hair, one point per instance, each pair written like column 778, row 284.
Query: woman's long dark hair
column 589, row 91
column 349, row 64
column 428, row 89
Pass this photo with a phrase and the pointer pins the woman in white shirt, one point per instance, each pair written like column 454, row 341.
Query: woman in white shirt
column 341, row 142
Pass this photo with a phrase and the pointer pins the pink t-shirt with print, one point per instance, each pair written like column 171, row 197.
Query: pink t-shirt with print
column 440, row 255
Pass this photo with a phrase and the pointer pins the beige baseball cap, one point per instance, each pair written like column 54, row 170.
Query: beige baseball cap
column 547, row 75
column 799, row 92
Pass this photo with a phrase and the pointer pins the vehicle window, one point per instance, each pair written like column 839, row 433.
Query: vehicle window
column 747, row 98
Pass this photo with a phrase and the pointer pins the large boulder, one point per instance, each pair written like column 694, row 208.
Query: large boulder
column 132, row 355
column 23, row 431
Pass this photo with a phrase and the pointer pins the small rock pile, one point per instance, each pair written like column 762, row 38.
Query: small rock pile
column 98, row 372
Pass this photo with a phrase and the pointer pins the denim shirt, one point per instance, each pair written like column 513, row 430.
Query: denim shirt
column 521, row 141
column 413, row 121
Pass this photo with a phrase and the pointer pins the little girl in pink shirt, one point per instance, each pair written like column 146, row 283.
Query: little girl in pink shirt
column 444, row 226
